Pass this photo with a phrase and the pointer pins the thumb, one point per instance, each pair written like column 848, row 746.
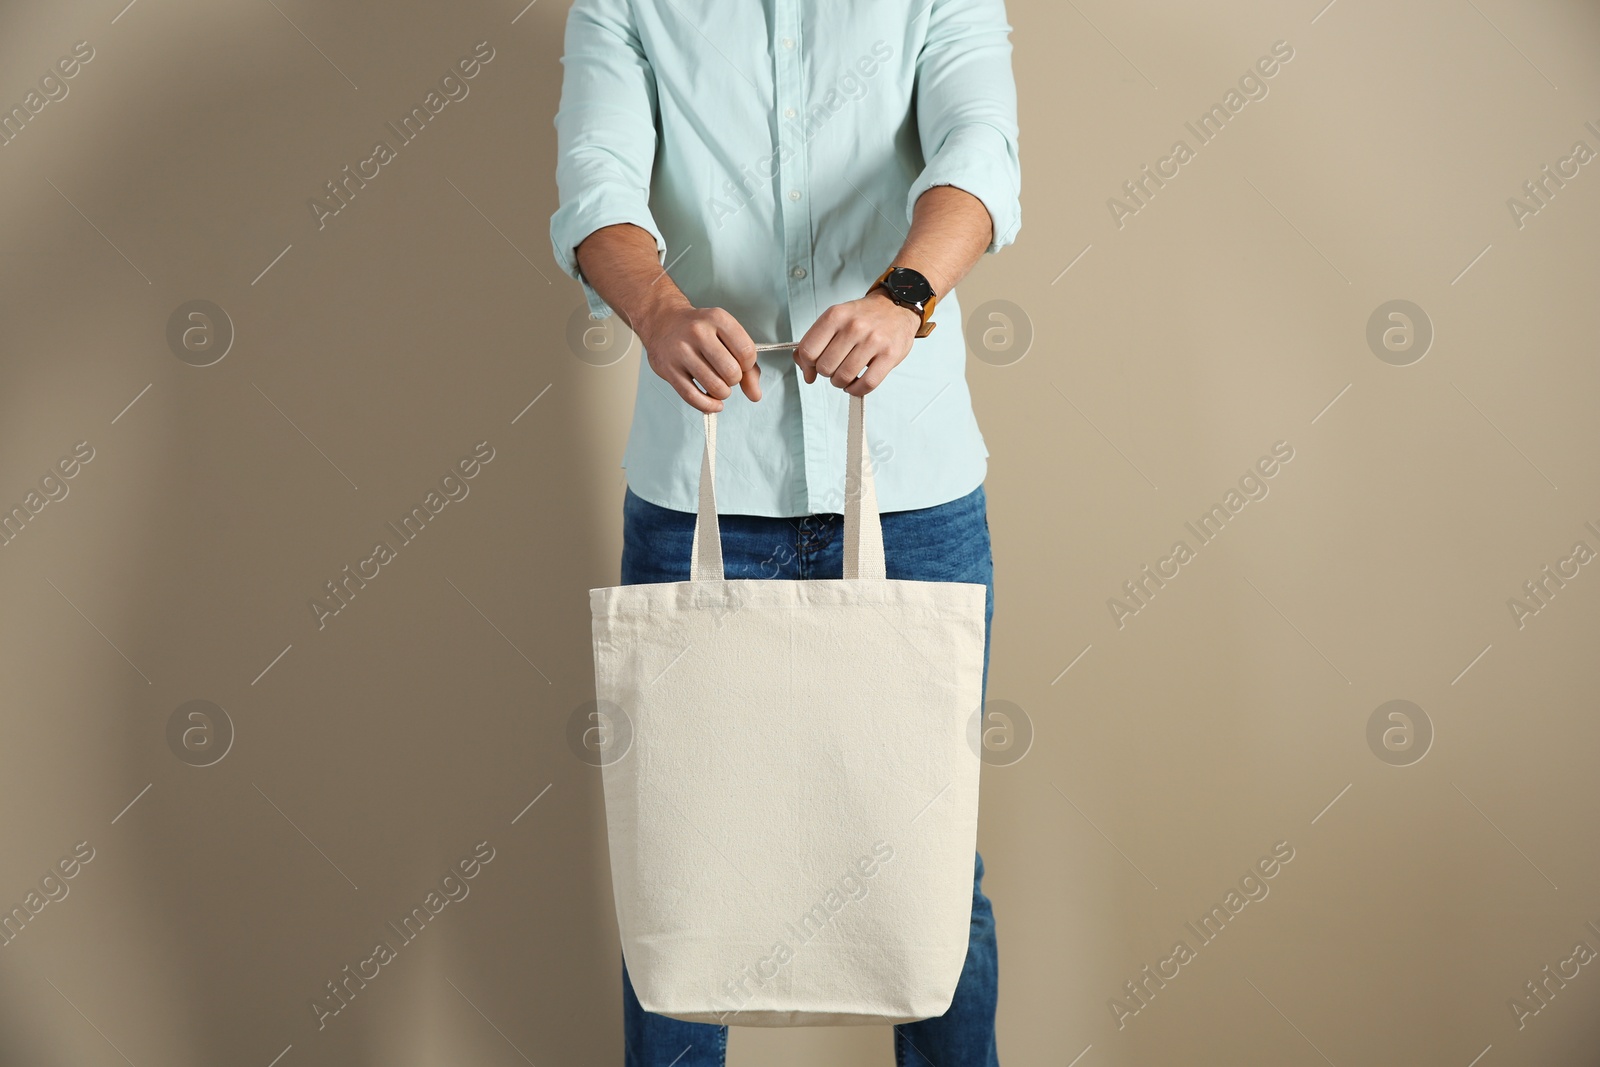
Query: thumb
column 751, row 382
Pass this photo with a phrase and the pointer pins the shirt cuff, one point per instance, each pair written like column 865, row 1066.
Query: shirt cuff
column 977, row 158
column 593, row 210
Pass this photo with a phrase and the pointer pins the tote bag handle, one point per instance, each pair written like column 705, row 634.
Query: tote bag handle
column 863, row 531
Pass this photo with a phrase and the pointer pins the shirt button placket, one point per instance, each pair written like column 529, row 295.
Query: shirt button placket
column 796, row 213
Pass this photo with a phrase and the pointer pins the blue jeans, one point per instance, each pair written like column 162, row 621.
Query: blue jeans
column 947, row 543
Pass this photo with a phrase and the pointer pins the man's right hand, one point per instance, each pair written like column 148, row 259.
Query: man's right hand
column 686, row 344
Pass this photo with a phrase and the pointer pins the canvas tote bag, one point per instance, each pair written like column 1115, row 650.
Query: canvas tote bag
column 793, row 817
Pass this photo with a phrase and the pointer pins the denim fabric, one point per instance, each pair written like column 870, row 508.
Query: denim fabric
column 945, row 543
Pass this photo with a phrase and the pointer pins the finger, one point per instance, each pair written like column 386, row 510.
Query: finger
column 708, row 347
column 734, row 339
column 751, row 382
column 815, row 341
column 713, row 382
column 807, row 365
column 738, row 344
column 693, row 396
column 871, row 378
column 860, row 356
column 833, row 357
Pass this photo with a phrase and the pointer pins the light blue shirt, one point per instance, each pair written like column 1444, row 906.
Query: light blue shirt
column 775, row 151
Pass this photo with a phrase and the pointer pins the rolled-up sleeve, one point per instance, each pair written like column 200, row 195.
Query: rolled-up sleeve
column 967, row 111
column 605, row 134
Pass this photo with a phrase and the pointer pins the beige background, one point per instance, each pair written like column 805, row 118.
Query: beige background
column 1230, row 714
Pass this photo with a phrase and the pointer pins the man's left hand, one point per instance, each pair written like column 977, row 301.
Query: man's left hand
column 872, row 334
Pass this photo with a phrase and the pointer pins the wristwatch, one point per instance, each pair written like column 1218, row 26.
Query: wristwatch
column 911, row 290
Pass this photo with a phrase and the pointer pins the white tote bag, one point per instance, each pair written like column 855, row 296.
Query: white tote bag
column 793, row 819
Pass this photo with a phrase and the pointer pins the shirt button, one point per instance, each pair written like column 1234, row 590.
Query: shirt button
column 788, row 42
column 789, row 112
column 798, row 272
column 794, row 194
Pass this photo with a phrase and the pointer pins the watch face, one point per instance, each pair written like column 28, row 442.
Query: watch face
column 908, row 287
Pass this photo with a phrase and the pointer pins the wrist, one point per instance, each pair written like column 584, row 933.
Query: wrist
column 648, row 311
column 882, row 295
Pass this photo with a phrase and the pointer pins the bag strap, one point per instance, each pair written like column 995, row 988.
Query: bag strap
column 863, row 528
column 705, row 557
